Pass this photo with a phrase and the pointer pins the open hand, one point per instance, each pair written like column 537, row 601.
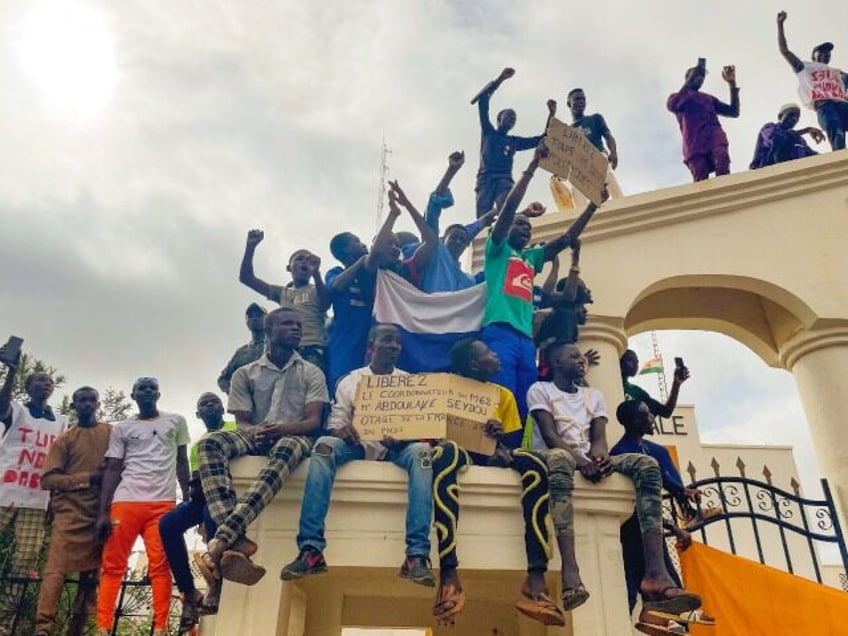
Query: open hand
column 399, row 194
column 592, row 357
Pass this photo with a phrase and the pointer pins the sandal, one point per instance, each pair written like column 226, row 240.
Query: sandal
column 540, row 608
column 671, row 603
column 235, row 566
column 205, row 564
column 190, row 615
column 210, row 602
column 672, row 627
column 698, row 617
column 451, row 601
column 574, row 597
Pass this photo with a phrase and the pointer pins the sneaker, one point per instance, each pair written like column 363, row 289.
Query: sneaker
column 309, row 561
column 417, row 569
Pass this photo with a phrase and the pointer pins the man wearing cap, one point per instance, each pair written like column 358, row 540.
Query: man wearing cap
column 253, row 350
column 704, row 141
column 822, row 88
column 779, row 141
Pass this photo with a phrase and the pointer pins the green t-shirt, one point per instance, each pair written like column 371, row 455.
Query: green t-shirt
column 635, row 392
column 509, row 280
column 192, row 455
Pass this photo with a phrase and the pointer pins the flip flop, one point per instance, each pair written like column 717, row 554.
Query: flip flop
column 210, row 602
column 660, row 630
column 452, row 604
column 541, row 608
column 574, row 597
column 236, row 567
column 190, row 614
column 202, row 566
column 676, row 604
column 697, row 617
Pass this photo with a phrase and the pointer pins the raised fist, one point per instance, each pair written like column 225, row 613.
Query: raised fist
column 254, row 237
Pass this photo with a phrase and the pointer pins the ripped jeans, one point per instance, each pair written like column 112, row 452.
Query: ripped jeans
column 414, row 457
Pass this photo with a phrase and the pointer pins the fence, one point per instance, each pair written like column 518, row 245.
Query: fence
column 132, row 617
column 754, row 516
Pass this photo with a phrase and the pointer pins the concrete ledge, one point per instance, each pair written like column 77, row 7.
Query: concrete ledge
column 365, row 534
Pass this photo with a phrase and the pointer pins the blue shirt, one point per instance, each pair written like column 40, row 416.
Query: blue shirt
column 497, row 149
column 352, row 309
column 443, row 273
column 672, row 481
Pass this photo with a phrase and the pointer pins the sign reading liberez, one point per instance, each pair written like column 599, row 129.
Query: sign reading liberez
column 426, row 406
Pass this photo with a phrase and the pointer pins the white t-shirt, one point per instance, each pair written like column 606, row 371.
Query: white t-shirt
column 149, row 451
column 342, row 412
column 572, row 413
column 817, row 81
column 23, row 450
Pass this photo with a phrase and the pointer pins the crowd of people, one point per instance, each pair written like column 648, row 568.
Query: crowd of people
column 292, row 390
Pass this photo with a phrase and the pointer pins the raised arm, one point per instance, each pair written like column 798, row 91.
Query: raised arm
column 796, row 64
column 429, row 239
column 385, row 233
column 572, row 282
column 506, row 214
column 550, row 282
column 728, row 74
column 482, row 98
column 246, row 275
column 318, row 281
column 6, row 392
column 441, row 197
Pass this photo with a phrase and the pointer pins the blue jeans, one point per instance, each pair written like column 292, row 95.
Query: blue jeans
column 172, row 527
column 517, row 354
column 833, row 119
column 414, row 457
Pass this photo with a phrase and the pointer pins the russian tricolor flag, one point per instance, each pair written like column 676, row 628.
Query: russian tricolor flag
column 430, row 324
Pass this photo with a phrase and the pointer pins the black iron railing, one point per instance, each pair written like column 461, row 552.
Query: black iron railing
column 733, row 506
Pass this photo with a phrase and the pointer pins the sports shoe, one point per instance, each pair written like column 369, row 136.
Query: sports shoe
column 417, row 569
column 309, row 561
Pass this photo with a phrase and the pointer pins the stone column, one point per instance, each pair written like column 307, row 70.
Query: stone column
column 818, row 360
column 606, row 335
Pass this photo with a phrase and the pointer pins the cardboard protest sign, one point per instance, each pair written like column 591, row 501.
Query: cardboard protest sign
column 470, row 405
column 573, row 157
column 426, row 406
column 401, row 406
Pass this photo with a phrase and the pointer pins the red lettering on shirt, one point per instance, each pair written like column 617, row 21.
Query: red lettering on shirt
column 519, row 280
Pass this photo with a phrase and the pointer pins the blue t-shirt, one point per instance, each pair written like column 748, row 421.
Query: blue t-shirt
column 443, row 273
column 352, row 310
column 497, row 149
column 672, row 481
column 594, row 127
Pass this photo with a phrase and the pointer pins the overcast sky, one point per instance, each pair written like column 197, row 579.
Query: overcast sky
column 141, row 140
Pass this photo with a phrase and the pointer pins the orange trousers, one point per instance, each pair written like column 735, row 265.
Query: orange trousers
column 131, row 519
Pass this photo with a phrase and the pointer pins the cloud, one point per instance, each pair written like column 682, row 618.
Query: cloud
column 122, row 232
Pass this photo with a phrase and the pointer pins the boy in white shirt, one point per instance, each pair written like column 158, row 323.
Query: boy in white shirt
column 570, row 422
column 146, row 457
